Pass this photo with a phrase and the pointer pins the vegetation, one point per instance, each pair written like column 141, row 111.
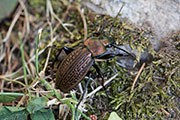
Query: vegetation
column 27, row 87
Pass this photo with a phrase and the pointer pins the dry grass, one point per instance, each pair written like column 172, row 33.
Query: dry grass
column 28, row 45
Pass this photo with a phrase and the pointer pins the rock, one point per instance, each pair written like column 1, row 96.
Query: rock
column 162, row 17
column 7, row 7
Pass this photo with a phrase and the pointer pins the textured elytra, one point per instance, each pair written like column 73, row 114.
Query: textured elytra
column 73, row 69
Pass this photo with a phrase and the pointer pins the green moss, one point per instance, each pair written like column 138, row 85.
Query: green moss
column 156, row 91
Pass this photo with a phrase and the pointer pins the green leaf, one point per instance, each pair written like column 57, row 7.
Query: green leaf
column 9, row 97
column 114, row 116
column 43, row 114
column 7, row 114
column 15, row 109
column 36, row 104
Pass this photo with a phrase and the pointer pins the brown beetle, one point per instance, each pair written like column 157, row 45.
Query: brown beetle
column 78, row 62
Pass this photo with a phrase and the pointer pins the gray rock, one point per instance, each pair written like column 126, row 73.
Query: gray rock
column 162, row 17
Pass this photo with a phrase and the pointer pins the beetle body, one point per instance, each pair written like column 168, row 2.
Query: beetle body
column 77, row 64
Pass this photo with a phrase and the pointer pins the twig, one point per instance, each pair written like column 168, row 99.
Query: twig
column 8, row 56
column 2, row 90
column 41, row 51
column 66, row 12
column 49, row 7
column 21, row 102
column 49, row 52
column 76, row 6
column 17, row 45
column 45, row 92
column 13, row 90
column 2, row 53
column 37, row 50
column 12, row 24
column 26, row 16
column 6, row 79
column 84, row 21
column 135, row 79
column 100, row 87
column 165, row 112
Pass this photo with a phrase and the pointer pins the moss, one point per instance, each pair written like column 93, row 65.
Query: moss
column 156, row 93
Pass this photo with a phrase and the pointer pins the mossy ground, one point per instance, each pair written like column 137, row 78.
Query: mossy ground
column 157, row 91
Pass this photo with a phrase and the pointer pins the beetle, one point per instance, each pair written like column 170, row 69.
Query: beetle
column 78, row 61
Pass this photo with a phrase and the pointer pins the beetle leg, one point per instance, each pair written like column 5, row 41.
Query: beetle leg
column 82, row 96
column 101, row 75
column 67, row 51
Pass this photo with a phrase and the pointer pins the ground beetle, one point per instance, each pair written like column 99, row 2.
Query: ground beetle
column 78, row 62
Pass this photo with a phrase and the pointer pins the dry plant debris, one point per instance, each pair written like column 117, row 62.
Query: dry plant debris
column 29, row 42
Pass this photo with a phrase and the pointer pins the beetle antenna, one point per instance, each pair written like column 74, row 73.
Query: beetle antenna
column 116, row 18
column 131, row 54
